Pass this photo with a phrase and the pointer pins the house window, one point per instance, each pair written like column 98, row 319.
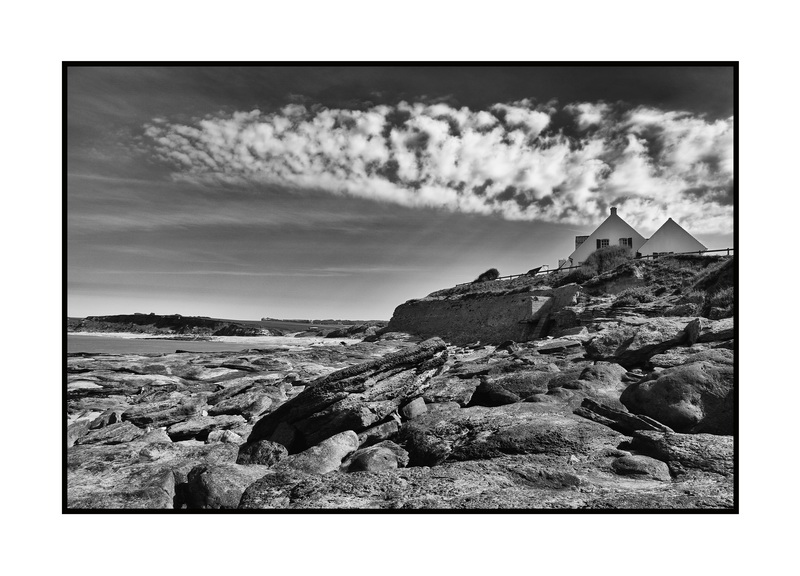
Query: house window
column 627, row 242
column 602, row 243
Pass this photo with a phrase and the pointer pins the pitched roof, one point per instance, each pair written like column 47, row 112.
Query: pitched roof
column 613, row 222
column 671, row 235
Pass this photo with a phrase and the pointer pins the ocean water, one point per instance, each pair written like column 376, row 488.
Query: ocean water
column 123, row 343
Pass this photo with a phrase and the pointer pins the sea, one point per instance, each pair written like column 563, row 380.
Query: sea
column 128, row 343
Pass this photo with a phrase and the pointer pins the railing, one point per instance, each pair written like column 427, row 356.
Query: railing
column 728, row 252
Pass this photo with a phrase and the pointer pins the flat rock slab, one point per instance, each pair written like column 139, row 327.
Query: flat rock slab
column 113, row 434
column 682, row 452
column 509, row 482
column 199, row 428
column 135, row 475
column 480, row 433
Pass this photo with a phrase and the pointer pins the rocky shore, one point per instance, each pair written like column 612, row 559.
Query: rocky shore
column 630, row 407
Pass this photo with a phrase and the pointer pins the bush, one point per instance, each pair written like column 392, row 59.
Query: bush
column 606, row 259
column 578, row 276
column 490, row 274
column 722, row 299
column 633, row 296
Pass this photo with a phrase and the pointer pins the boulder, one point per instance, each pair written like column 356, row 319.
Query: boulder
column 163, row 413
column 450, row 388
column 251, row 403
column 200, row 427
column 695, row 397
column 479, row 433
column 378, row 433
column 632, row 344
column 113, row 434
column 227, row 436
column 108, row 417
column 135, row 475
column 641, row 467
column 354, row 398
column 497, row 390
column 76, row 430
column 325, row 457
column 156, row 435
column 219, row 486
column 383, row 456
column 684, row 452
column 414, row 408
column 685, row 355
column 262, row 452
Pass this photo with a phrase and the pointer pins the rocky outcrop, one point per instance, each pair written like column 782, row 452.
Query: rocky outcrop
column 633, row 343
column 695, row 397
column 478, row 433
column 220, row 486
column 199, row 428
column 382, row 456
column 325, row 457
column 687, row 452
column 135, row 474
column 353, row 398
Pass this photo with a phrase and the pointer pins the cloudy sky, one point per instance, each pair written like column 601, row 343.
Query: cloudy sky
column 341, row 192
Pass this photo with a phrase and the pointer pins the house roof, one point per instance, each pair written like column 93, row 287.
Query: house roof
column 613, row 222
column 672, row 232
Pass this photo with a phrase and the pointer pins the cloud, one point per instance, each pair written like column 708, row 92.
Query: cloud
column 510, row 160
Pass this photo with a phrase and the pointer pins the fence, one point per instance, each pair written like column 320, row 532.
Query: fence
column 728, row 252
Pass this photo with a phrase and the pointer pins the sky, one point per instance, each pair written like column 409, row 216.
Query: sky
column 342, row 192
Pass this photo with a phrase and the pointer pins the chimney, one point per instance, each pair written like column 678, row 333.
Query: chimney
column 613, row 211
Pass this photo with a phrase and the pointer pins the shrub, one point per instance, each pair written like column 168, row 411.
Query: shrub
column 490, row 274
column 722, row 299
column 633, row 296
column 606, row 259
column 578, row 276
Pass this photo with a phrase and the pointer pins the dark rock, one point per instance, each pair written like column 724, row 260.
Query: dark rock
column 113, row 434
column 641, row 467
column 356, row 397
column 261, row 452
column 156, row 435
column 696, row 397
column 325, row 457
column 619, row 420
column 108, row 417
column 220, row 486
column 633, row 344
column 250, row 403
column 135, row 474
column 480, row 433
column 449, row 388
column 378, row 433
column 384, row 456
column 507, row 482
column 76, row 430
column 677, row 356
column 509, row 388
column 414, row 408
column 707, row 452
column 199, row 428
column 559, row 346
column 163, row 413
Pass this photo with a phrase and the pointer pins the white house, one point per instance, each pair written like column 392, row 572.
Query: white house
column 614, row 231
column 671, row 238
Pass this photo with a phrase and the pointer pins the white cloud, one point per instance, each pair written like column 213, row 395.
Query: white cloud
column 507, row 160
